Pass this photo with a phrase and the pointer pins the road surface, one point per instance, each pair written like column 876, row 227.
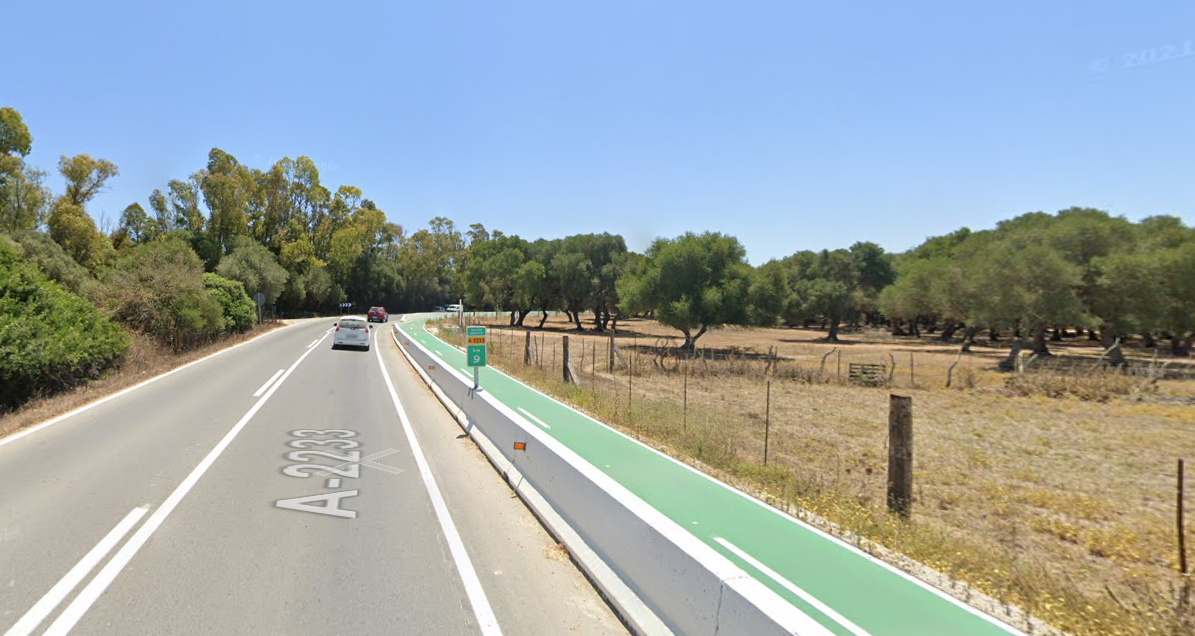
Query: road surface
column 178, row 508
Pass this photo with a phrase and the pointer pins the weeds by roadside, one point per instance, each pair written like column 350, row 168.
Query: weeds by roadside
column 145, row 359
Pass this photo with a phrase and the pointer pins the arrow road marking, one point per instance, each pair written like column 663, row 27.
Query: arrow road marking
column 365, row 461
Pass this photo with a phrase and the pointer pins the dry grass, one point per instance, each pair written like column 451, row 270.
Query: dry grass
column 1062, row 506
column 1094, row 386
column 145, row 359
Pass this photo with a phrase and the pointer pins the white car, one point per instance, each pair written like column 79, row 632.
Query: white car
column 453, row 309
column 351, row 331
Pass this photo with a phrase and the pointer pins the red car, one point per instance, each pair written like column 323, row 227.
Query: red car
column 377, row 313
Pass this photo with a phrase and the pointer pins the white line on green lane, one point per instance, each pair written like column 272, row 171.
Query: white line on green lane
column 792, row 587
column 533, row 418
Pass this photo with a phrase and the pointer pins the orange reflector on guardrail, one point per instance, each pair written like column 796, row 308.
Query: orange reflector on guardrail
column 521, row 446
column 431, row 367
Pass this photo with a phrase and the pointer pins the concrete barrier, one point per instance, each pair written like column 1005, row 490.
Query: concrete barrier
column 658, row 576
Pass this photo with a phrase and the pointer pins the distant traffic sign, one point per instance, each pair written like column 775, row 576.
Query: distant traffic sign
column 260, row 300
column 475, row 346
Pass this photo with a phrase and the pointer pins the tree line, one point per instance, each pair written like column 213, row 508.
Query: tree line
column 183, row 267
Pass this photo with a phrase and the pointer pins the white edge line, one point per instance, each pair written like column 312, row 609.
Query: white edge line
column 533, row 418
column 33, row 429
column 43, row 607
column 78, row 607
column 768, row 601
column 783, row 515
column 473, row 589
column 792, row 587
column 269, row 382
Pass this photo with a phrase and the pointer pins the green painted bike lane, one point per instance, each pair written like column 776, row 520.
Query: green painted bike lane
column 845, row 590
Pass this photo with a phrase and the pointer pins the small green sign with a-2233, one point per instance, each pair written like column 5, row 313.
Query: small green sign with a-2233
column 475, row 346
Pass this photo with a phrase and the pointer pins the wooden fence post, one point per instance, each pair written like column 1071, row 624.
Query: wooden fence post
column 630, row 395
column 685, row 409
column 567, row 378
column 767, row 422
column 1182, row 538
column 610, row 348
column 527, row 349
column 900, row 454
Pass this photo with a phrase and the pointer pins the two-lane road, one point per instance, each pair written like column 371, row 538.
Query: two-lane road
column 179, row 508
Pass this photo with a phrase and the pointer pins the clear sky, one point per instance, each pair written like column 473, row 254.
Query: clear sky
column 790, row 124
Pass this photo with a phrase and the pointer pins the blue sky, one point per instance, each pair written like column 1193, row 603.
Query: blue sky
column 791, row 125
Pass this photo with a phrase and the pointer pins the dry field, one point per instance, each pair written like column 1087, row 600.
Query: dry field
column 1063, row 506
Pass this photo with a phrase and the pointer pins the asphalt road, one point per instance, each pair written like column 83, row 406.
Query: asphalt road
column 178, row 508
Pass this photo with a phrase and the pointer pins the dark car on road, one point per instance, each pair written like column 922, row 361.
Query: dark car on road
column 379, row 314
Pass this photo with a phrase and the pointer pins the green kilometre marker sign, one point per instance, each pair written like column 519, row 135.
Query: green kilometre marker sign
column 475, row 346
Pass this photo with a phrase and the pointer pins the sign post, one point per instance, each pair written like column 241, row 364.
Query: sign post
column 475, row 350
column 260, row 300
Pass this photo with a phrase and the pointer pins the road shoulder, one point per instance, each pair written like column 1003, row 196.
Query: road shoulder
column 532, row 584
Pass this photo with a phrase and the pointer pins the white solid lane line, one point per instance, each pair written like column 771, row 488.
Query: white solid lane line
column 268, row 383
column 42, row 609
column 74, row 612
column 313, row 343
column 791, row 587
column 533, row 418
column 477, row 598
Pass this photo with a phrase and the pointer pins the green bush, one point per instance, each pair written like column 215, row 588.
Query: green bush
column 239, row 311
column 256, row 267
column 41, row 250
column 157, row 289
column 50, row 339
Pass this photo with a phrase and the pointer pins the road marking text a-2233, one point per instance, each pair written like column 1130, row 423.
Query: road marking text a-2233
column 330, row 501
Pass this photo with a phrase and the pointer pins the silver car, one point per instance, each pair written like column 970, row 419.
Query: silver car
column 351, row 331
